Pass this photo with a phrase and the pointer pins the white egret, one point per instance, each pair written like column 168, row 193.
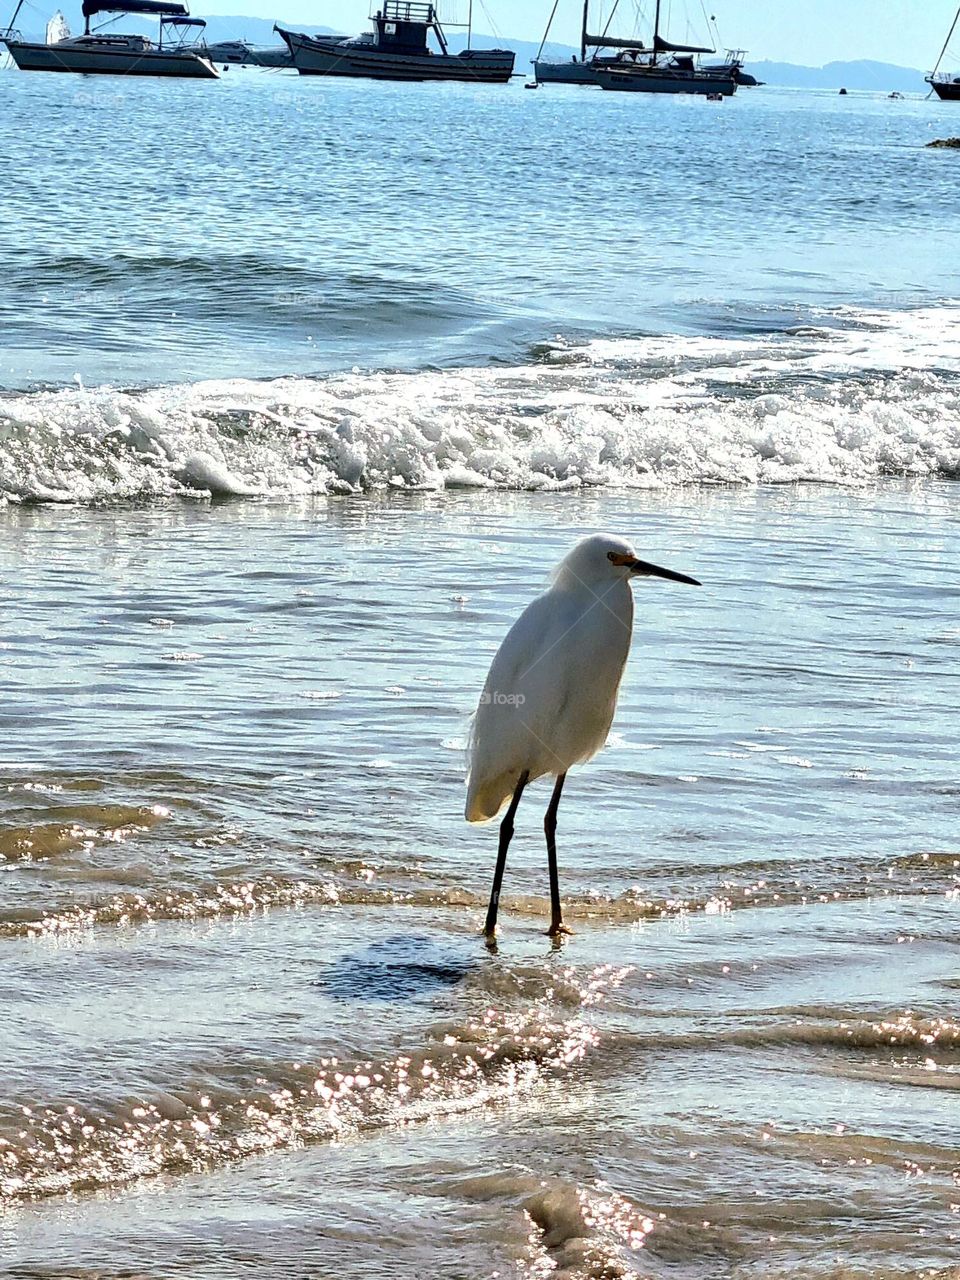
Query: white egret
column 551, row 692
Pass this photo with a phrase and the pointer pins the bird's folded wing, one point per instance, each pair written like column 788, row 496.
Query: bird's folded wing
column 519, row 707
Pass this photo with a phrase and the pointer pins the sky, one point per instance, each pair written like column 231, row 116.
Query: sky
column 811, row 32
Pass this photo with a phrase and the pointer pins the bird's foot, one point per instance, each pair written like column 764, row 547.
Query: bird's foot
column 490, row 939
column 559, row 930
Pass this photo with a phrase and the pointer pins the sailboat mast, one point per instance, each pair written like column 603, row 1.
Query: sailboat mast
column 16, row 14
column 956, row 18
column 553, row 12
column 656, row 26
column 583, row 31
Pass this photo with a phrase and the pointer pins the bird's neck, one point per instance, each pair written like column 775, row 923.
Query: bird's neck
column 613, row 595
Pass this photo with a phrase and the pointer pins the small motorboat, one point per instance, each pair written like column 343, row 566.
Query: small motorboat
column 240, row 53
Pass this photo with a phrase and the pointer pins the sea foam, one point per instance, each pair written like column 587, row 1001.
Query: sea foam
column 860, row 396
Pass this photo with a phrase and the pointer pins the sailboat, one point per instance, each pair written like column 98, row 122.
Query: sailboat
column 658, row 67
column 946, row 84
column 97, row 52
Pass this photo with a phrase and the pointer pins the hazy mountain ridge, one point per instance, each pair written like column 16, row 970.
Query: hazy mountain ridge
column 840, row 75
column 255, row 30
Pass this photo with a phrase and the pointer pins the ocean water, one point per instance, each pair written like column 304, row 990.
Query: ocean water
column 305, row 389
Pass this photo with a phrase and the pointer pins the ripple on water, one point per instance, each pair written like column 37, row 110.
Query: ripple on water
column 47, row 1151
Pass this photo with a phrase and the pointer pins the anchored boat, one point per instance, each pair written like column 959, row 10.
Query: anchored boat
column 240, row 53
column 679, row 75
column 397, row 49
column 733, row 64
column 946, row 84
column 101, row 53
column 658, row 67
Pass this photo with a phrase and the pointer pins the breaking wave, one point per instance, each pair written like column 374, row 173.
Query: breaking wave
column 861, row 396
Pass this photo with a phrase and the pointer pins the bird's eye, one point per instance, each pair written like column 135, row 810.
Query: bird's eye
column 612, row 557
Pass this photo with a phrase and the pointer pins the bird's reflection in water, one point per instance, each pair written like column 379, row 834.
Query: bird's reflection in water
column 401, row 967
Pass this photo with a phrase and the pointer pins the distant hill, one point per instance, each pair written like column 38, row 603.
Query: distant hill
column 256, row 30
column 841, row 75
column 526, row 50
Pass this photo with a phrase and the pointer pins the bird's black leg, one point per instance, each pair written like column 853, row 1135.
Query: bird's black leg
column 550, row 828
column 506, row 832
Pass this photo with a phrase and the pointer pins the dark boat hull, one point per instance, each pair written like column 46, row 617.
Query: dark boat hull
column 546, row 71
column 667, row 81
column 948, row 90
column 320, row 57
column 663, row 79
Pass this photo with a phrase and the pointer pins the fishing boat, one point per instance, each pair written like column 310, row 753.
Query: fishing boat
column 102, row 53
column 946, row 84
column 397, row 49
column 660, row 66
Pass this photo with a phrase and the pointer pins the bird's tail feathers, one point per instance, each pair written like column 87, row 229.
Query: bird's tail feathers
column 486, row 798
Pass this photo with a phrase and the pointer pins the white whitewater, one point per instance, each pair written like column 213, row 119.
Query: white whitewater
column 863, row 396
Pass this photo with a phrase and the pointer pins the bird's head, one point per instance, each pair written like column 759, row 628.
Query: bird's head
column 602, row 558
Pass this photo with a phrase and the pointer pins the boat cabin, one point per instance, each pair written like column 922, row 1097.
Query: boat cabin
column 402, row 26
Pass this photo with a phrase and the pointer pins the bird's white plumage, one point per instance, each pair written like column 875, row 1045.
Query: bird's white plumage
column 551, row 693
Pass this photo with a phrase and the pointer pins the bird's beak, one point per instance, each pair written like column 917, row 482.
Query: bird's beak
column 644, row 569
